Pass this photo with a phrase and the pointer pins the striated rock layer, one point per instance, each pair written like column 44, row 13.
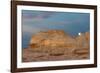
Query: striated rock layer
column 57, row 45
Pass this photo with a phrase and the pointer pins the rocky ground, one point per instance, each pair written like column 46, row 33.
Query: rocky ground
column 48, row 54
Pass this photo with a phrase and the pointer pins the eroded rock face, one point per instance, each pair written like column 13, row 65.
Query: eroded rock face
column 83, row 40
column 54, row 45
column 52, row 38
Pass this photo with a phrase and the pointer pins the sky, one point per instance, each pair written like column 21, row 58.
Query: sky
column 36, row 21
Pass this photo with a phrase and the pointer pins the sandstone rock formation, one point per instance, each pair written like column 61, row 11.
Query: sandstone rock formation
column 57, row 45
column 52, row 38
column 83, row 40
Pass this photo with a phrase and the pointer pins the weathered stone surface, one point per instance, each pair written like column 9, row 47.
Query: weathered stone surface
column 57, row 45
column 52, row 38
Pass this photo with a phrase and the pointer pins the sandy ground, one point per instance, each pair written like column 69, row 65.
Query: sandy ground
column 54, row 54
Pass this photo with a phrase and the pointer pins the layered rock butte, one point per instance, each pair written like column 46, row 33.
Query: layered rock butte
column 57, row 45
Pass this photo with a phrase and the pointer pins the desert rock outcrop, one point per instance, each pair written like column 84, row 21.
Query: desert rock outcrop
column 57, row 45
column 52, row 38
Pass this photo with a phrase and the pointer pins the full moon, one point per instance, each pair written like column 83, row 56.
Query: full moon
column 79, row 33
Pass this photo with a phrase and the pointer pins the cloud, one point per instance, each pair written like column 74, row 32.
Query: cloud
column 36, row 15
column 32, row 30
